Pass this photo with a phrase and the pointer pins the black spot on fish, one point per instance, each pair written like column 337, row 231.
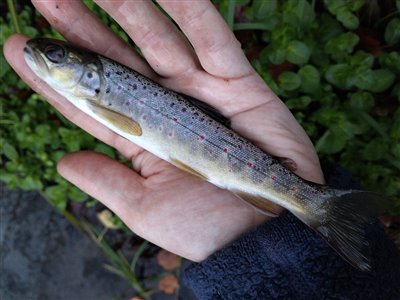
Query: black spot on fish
column 97, row 91
column 155, row 94
column 144, row 87
column 119, row 87
column 183, row 109
column 202, row 119
column 109, row 104
column 134, row 86
column 165, row 92
column 172, row 104
column 118, row 73
column 127, row 77
column 107, row 74
column 107, row 90
column 89, row 75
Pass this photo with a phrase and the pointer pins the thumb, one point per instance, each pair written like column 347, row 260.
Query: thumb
column 112, row 183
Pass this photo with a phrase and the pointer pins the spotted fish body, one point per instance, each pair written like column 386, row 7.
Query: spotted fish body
column 175, row 129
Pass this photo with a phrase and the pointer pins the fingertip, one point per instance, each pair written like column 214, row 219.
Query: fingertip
column 13, row 45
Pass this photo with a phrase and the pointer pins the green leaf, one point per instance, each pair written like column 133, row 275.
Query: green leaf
column 289, row 81
column 297, row 53
column 330, row 143
column 362, row 60
column 363, row 80
column 31, row 183
column 341, row 45
column 57, row 196
column 77, row 195
column 298, row 103
column 105, row 149
column 392, row 32
column 383, row 79
column 375, row 150
column 348, row 19
column 390, row 61
column 10, row 152
column 362, row 101
column 310, row 79
column 274, row 53
column 262, row 10
column 338, row 75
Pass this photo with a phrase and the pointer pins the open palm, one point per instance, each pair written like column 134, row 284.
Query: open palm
column 172, row 209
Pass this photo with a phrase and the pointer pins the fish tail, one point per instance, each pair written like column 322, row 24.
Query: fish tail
column 342, row 220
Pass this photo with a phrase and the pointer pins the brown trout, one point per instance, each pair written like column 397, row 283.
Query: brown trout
column 191, row 136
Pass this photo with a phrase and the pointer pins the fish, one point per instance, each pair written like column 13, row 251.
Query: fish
column 196, row 138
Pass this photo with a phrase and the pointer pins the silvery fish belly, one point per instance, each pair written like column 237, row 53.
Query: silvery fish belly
column 195, row 138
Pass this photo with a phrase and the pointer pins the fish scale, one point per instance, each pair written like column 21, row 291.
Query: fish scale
column 194, row 138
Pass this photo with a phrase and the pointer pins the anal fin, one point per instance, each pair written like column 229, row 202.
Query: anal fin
column 266, row 207
column 184, row 167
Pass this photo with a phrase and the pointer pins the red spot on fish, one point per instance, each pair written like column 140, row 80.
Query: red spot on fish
column 201, row 137
column 170, row 134
column 160, row 128
column 174, row 119
column 273, row 177
column 293, row 188
column 225, row 150
column 144, row 117
column 249, row 164
column 141, row 102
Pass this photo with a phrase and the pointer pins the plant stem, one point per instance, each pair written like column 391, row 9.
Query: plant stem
column 231, row 13
column 251, row 26
column 14, row 17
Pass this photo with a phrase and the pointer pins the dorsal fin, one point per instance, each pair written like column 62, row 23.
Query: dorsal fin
column 209, row 110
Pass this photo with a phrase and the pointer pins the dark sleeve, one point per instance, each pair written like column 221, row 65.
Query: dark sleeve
column 284, row 259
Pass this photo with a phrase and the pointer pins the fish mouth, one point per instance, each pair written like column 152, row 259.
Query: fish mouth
column 35, row 61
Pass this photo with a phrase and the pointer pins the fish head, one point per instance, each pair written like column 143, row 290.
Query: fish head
column 67, row 69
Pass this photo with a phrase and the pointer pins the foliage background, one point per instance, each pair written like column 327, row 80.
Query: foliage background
column 335, row 63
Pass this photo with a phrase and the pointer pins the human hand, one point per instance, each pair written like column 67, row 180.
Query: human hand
column 176, row 211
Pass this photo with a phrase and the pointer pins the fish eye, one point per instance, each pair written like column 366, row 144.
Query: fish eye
column 55, row 53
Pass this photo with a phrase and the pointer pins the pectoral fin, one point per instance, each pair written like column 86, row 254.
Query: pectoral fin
column 265, row 206
column 184, row 167
column 120, row 121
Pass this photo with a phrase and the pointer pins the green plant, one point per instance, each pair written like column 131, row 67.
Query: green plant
column 334, row 63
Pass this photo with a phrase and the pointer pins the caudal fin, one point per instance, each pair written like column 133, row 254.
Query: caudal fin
column 342, row 220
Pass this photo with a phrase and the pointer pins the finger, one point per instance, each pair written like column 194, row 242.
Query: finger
column 162, row 44
column 112, row 183
column 216, row 46
column 13, row 51
column 81, row 27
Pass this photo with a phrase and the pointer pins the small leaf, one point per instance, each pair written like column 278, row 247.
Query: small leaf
column 298, row 103
column 362, row 101
column 338, row 75
column 392, row 32
column 330, row 143
column 375, row 150
column 297, row 53
column 168, row 284
column 168, row 260
column 383, row 79
column 10, row 152
column 348, row 19
column 363, row 79
column 390, row 61
column 310, row 79
column 289, row 81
